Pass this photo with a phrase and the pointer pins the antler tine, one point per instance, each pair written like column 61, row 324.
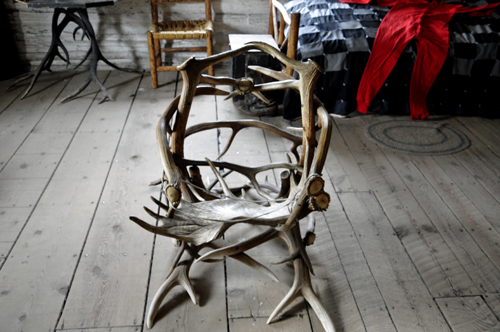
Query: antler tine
column 177, row 258
column 294, row 293
column 211, row 184
column 160, row 230
column 250, row 262
column 142, row 223
column 277, row 85
column 302, row 287
column 290, row 258
column 178, row 277
column 223, row 183
column 279, row 75
column 195, row 192
column 232, row 94
column 155, row 182
column 313, row 300
column 243, row 258
column 241, row 246
column 302, row 281
column 160, row 204
column 268, row 185
column 251, row 172
column 155, row 215
column 295, row 243
column 305, row 256
column 285, row 184
column 296, row 129
column 256, row 185
column 229, row 142
column 261, row 97
column 241, row 124
column 209, row 90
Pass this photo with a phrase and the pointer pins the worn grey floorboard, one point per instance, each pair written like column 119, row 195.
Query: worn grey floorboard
column 114, row 270
column 389, row 253
column 38, row 272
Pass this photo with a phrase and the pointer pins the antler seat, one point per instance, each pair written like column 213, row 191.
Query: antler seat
column 197, row 214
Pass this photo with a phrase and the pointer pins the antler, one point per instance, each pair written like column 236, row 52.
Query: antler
column 240, row 247
column 222, row 182
column 249, row 172
column 237, row 125
column 179, row 274
column 301, row 264
column 302, row 281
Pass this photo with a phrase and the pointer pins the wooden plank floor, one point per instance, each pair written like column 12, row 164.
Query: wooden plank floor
column 409, row 243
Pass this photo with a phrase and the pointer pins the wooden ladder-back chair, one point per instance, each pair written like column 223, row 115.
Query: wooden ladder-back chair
column 197, row 215
column 177, row 30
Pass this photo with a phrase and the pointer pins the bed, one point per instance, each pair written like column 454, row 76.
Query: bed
column 340, row 36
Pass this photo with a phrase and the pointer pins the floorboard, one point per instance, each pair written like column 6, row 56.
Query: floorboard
column 109, row 266
column 493, row 301
column 426, row 247
column 19, row 119
column 468, row 314
column 367, row 296
column 393, row 272
column 8, row 98
column 408, row 243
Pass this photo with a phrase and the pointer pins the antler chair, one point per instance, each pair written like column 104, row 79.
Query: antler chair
column 197, row 215
column 177, row 30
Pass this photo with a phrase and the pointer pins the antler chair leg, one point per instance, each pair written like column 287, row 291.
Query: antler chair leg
column 301, row 264
column 178, row 277
column 302, row 281
column 179, row 273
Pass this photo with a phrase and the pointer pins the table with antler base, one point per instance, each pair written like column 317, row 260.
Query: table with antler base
column 73, row 11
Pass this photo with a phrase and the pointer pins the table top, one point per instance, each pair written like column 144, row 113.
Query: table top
column 67, row 3
column 236, row 40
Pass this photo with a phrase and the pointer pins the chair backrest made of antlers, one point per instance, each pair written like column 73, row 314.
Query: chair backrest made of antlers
column 197, row 214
